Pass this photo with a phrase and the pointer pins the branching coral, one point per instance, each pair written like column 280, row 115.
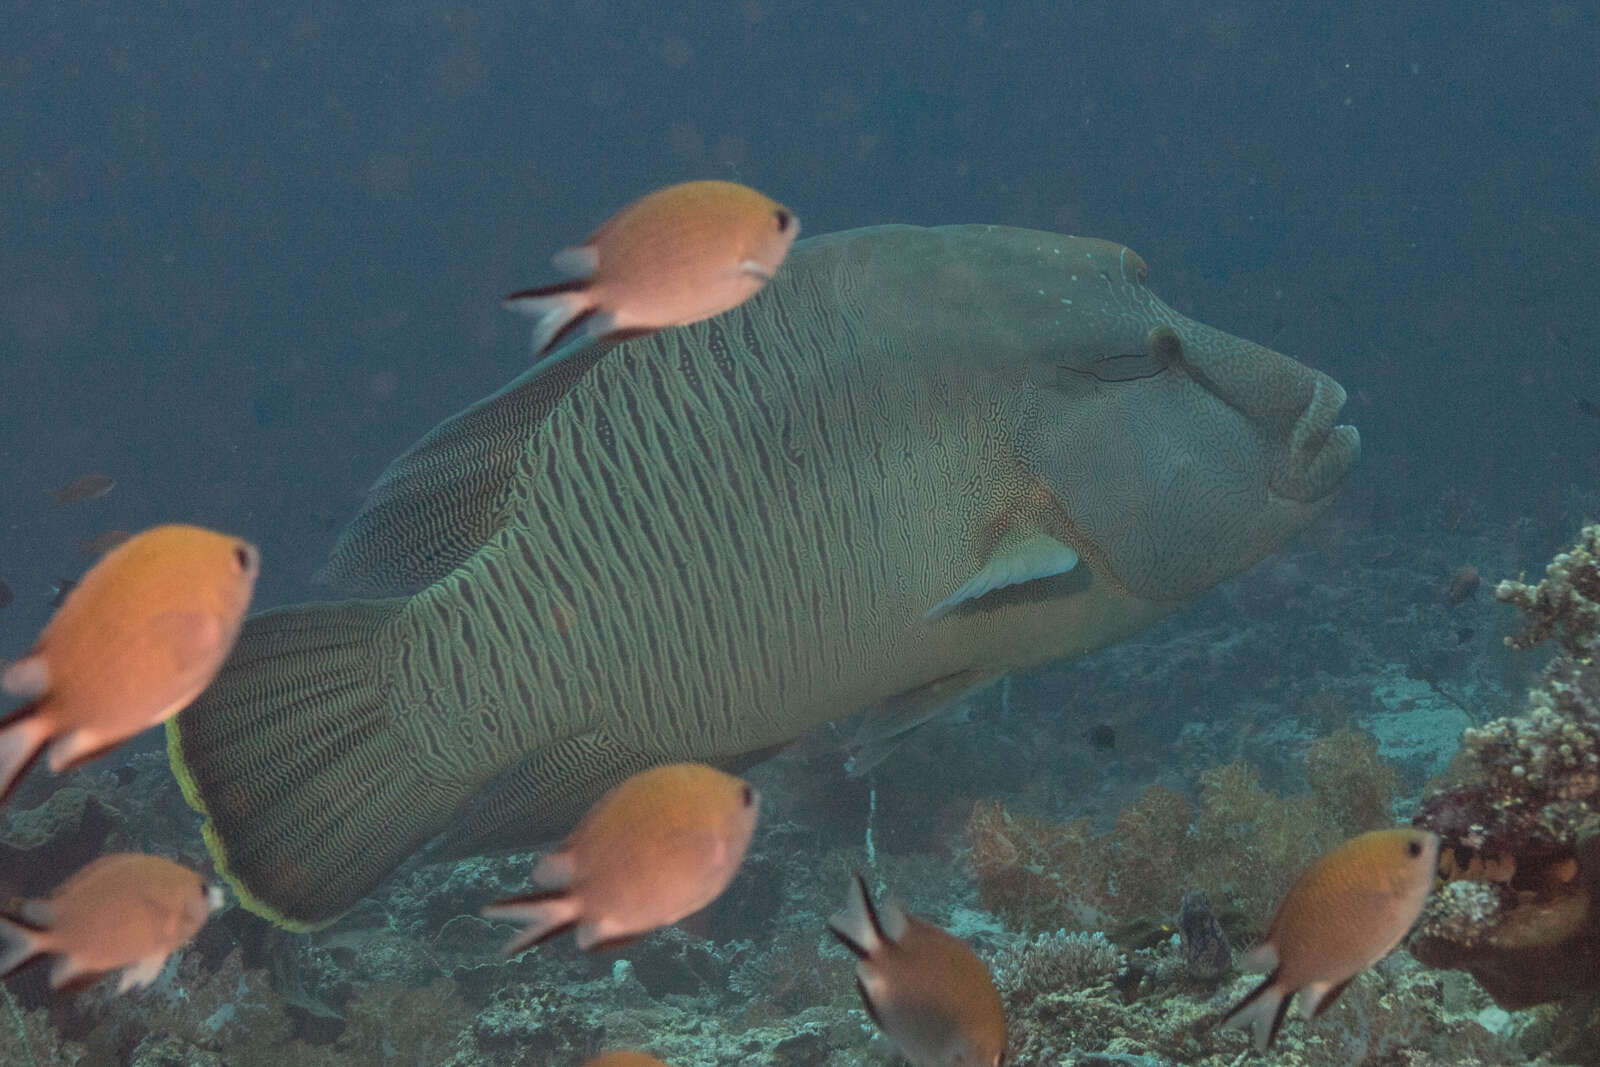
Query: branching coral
column 1243, row 847
column 1521, row 820
column 1055, row 963
column 1566, row 601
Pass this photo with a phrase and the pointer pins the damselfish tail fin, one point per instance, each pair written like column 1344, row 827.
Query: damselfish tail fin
column 1261, row 1011
column 309, row 785
column 19, row 943
column 560, row 313
column 542, row 915
column 22, row 738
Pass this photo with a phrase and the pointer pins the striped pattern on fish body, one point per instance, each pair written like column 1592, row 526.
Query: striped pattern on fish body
column 675, row 479
column 872, row 482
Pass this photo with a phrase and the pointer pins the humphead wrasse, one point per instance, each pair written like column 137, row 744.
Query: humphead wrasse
column 917, row 460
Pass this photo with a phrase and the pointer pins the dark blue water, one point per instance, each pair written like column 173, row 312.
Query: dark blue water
column 249, row 252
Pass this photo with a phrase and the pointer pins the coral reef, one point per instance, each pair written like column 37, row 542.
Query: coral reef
column 1055, row 963
column 1566, row 602
column 1206, row 954
column 1227, row 695
column 41, row 846
column 1149, row 1013
column 1520, row 819
column 1242, row 847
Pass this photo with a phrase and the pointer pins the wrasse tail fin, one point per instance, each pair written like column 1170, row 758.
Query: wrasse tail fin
column 309, row 782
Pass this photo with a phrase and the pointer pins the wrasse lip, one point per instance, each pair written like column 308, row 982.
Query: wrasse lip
column 1321, row 450
column 754, row 271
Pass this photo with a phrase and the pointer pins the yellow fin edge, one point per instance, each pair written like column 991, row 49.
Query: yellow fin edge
column 219, row 853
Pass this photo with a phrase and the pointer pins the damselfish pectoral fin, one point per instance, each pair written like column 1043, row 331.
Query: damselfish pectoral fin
column 26, row 679
column 141, row 972
column 577, row 262
column 1015, row 560
column 21, row 740
column 187, row 637
column 1261, row 1012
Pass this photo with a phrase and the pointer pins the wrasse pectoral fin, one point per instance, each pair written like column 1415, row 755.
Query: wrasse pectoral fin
column 1023, row 559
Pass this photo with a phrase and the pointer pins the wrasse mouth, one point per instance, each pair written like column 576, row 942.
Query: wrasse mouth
column 755, row 271
column 1321, row 450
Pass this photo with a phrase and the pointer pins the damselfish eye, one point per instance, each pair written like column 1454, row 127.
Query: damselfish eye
column 1413, row 849
column 783, row 219
column 748, row 796
column 245, row 558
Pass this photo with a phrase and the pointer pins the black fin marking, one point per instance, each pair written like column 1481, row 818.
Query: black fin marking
column 866, row 1002
column 27, row 764
column 22, row 711
column 1333, row 995
column 567, row 328
column 79, row 982
column 530, row 898
column 614, row 943
column 90, row 756
column 557, row 289
column 1277, row 1020
column 521, row 945
column 1250, row 998
column 16, row 919
column 19, row 929
column 860, row 952
column 554, row 931
column 872, row 912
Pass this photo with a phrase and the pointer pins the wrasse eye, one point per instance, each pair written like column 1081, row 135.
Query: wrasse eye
column 1413, row 849
column 749, row 796
column 1166, row 347
column 783, row 219
column 244, row 558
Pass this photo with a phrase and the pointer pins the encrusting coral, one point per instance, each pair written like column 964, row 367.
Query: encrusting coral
column 1242, row 848
column 1521, row 822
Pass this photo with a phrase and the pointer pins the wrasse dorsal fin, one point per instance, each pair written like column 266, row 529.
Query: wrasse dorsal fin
column 449, row 492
